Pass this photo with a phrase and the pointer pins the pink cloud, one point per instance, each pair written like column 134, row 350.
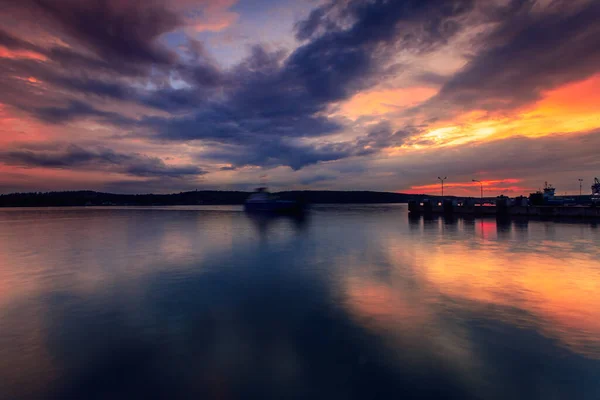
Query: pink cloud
column 207, row 15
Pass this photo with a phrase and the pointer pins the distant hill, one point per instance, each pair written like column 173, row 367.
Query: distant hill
column 91, row 198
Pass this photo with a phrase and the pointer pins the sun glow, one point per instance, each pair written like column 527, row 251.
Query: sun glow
column 568, row 109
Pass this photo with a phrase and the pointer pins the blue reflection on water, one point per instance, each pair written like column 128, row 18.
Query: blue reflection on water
column 348, row 302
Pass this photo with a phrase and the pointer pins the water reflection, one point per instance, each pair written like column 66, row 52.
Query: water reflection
column 356, row 302
column 263, row 222
column 555, row 281
column 503, row 229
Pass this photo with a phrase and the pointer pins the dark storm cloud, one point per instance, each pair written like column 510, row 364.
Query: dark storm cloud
column 277, row 151
column 273, row 99
column 268, row 98
column 173, row 100
column 382, row 136
column 79, row 109
column 124, row 30
column 74, row 62
column 530, row 51
column 316, row 19
column 252, row 114
column 76, row 83
column 56, row 96
column 68, row 58
column 378, row 20
column 77, row 157
column 95, row 87
column 261, row 111
column 103, row 39
column 340, row 61
column 107, row 48
column 118, row 56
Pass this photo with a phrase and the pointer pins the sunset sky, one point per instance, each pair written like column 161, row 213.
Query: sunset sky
column 137, row 96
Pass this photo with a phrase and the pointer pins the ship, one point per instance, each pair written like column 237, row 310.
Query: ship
column 547, row 197
column 261, row 201
column 549, row 193
column 596, row 191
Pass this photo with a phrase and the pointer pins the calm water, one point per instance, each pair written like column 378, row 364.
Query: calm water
column 351, row 302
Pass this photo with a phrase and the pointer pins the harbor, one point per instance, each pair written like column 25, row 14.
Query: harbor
column 543, row 203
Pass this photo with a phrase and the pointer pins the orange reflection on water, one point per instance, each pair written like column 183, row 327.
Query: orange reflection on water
column 480, row 269
column 405, row 315
column 379, row 303
column 559, row 290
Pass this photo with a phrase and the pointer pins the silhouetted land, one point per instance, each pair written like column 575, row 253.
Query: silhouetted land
column 91, row 198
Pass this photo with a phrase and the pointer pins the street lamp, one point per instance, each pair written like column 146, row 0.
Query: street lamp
column 481, row 187
column 442, row 180
column 580, row 182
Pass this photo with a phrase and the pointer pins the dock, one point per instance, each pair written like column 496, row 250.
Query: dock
column 502, row 207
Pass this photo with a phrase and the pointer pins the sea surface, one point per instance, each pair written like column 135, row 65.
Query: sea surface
column 349, row 302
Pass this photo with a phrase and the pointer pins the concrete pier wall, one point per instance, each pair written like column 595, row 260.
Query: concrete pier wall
column 557, row 211
column 504, row 209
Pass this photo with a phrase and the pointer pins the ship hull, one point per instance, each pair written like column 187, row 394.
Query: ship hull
column 274, row 207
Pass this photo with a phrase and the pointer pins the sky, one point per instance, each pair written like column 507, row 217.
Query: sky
column 140, row 96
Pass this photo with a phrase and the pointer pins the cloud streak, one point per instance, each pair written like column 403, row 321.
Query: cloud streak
column 98, row 159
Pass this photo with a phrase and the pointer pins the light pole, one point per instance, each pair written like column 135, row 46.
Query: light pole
column 580, row 182
column 481, row 187
column 442, row 180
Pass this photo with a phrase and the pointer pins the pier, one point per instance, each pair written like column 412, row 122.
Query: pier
column 543, row 203
column 503, row 206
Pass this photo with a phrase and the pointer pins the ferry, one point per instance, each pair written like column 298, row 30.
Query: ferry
column 264, row 202
column 548, row 197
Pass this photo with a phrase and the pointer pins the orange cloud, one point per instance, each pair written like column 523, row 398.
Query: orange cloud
column 378, row 102
column 567, row 109
column 570, row 108
column 13, row 54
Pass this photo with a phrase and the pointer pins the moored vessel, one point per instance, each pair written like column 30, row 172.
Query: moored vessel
column 263, row 201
